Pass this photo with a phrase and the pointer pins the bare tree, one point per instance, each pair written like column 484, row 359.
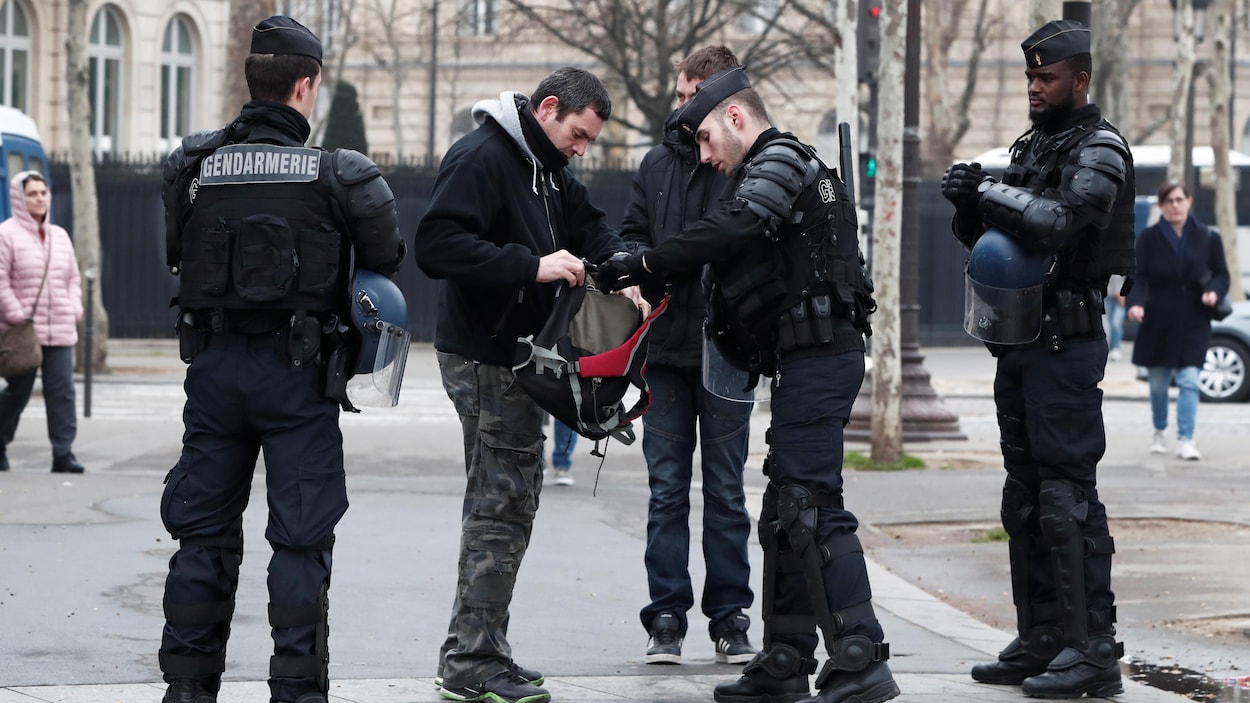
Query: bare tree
column 1186, row 59
column 400, row 31
column 1223, row 12
column 82, row 172
column 949, row 116
column 1109, row 39
column 887, row 374
column 637, row 42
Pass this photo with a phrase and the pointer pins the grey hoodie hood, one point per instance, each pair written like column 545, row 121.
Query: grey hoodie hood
column 505, row 111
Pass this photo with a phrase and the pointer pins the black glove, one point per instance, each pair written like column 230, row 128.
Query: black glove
column 621, row 270
column 960, row 182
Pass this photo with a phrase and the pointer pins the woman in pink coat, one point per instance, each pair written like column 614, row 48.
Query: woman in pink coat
column 29, row 244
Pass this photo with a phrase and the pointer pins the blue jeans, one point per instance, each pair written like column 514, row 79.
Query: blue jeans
column 1115, row 322
column 682, row 412
column 562, row 443
column 1160, row 378
column 58, row 399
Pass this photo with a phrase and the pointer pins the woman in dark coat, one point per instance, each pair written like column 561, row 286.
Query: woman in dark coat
column 1181, row 275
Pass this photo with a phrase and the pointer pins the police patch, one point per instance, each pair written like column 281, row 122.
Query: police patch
column 826, row 191
column 241, row 164
column 193, row 189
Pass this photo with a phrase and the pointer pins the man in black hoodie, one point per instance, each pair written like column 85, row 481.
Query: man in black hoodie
column 672, row 190
column 507, row 226
column 260, row 230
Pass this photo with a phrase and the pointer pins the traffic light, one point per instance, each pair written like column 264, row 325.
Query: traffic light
column 868, row 179
column 869, row 40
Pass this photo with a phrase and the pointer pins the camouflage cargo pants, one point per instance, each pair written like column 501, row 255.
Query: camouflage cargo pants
column 503, row 461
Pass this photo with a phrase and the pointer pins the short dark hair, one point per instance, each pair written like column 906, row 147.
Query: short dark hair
column 33, row 176
column 1168, row 186
column 707, row 61
column 576, row 89
column 747, row 98
column 273, row 76
column 1081, row 62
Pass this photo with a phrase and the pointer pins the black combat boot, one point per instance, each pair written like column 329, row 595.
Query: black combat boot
column 776, row 675
column 184, row 690
column 856, row 673
column 1022, row 658
column 1093, row 671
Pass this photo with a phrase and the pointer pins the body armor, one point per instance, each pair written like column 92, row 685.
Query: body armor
column 804, row 285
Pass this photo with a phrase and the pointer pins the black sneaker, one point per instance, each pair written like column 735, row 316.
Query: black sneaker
column 666, row 637
column 504, row 687
column 534, row 677
column 4, row 458
column 732, row 644
column 183, row 690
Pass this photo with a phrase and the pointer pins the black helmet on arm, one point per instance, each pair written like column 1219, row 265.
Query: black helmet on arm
column 1003, row 290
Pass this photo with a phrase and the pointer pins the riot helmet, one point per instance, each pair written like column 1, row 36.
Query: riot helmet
column 379, row 315
column 1003, row 290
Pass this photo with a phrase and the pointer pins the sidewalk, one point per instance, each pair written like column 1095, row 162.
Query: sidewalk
column 389, row 602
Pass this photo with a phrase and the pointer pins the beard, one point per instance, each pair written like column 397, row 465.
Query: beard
column 1052, row 113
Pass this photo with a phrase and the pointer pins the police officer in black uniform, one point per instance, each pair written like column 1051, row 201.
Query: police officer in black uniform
column 1067, row 198
column 261, row 231
column 791, row 300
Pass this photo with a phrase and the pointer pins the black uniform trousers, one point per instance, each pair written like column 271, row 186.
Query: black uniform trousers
column 1050, row 422
column 811, row 404
column 244, row 396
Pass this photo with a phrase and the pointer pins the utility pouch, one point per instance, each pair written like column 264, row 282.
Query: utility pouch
column 188, row 337
column 1094, row 310
column 1073, row 313
column 1050, row 330
column 822, row 319
column 303, row 340
column 801, row 321
column 336, row 378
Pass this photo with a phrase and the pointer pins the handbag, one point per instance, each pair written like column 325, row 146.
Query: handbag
column 1222, row 309
column 20, row 350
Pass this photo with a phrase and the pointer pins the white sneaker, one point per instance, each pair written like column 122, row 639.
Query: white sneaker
column 1159, row 444
column 564, row 477
column 1188, row 451
column 1114, row 355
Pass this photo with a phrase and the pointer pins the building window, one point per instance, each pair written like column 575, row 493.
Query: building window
column 105, row 53
column 177, row 64
column 14, row 55
column 477, row 17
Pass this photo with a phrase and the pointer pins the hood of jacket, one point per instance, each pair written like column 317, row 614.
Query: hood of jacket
column 511, row 112
column 17, row 201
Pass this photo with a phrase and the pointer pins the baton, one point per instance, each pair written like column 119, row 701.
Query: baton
column 846, row 160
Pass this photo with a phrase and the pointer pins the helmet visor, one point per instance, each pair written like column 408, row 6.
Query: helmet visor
column 728, row 382
column 1002, row 315
column 380, row 389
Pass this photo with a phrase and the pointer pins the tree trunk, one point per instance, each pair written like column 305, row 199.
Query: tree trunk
column 1223, row 12
column 846, row 19
column 887, row 376
column 1181, row 85
column 1110, row 47
column 82, row 180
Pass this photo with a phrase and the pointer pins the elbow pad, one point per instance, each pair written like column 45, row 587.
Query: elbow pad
column 1037, row 222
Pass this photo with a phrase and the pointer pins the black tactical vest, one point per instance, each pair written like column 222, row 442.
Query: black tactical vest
column 813, row 255
column 1039, row 164
column 262, row 234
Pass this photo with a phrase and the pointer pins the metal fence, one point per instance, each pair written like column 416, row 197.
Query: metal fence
column 137, row 287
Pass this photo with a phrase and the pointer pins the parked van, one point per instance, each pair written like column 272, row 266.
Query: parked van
column 20, row 150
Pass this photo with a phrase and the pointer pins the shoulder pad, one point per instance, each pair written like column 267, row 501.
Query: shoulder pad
column 775, row 177
column 1105, row 158
column 200, row 143
column 352, row 167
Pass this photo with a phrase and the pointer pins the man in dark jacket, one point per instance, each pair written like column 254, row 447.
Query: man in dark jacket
column 673, row 189
column 1050, row 235
column 508, row 227
column 260, row 230
column 791, row 295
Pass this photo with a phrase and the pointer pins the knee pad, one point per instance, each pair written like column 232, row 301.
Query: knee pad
column 1062, row 508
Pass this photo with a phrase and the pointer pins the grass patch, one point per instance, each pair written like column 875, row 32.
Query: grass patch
column 855, row 460
column 996, row 534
